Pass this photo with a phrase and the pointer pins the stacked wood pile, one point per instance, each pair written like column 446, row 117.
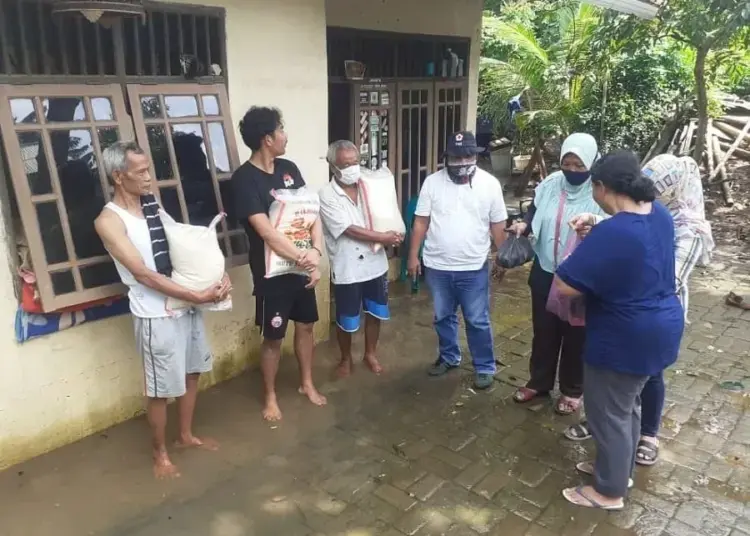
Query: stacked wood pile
column 727, row 137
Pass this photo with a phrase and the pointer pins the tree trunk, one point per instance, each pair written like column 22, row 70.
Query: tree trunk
column 701, row 102
column 528, row 173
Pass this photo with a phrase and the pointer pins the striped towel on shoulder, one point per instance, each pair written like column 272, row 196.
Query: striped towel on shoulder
column 159, row 244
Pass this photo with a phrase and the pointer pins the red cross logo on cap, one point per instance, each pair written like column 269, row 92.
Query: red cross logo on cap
column 459, row 137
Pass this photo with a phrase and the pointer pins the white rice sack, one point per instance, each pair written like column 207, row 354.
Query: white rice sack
column 381, row 202
column 293, row 214
column 197, row 260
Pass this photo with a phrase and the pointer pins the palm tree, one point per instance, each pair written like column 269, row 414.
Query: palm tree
column 547, row 72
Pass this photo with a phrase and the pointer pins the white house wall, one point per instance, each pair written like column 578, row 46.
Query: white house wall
column 63, row 387
column 461, row 18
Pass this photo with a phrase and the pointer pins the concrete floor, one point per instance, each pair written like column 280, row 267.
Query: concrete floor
column 404, row 454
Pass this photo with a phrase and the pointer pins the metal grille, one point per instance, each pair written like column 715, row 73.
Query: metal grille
column 415, row 140
column 35, row 43
column 54, row 136
column 450, row 106
column 188, row 132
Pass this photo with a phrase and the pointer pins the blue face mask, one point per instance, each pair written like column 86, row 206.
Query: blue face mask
column 576, row 178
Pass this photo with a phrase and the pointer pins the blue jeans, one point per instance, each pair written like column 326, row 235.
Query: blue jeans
column 652, row 404
column 470, row 290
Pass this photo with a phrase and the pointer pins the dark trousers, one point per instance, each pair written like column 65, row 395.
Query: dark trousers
column 613, row 408
column 555, row 342
column 652, row 398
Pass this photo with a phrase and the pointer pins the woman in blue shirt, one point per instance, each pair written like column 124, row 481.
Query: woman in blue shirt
column 634, row 321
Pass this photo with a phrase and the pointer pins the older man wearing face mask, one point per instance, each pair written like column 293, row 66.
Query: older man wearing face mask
column 358, row 273
column 460, row 207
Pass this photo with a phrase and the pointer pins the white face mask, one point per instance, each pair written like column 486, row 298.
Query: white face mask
column 350, row 175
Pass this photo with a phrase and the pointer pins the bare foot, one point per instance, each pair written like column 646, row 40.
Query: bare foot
column 272, row 412
column 373, row 364
column 312, row 393
column 344, row 369
column 205, row 443
column 163, row 467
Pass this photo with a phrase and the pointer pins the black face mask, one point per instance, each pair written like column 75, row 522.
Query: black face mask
column 461, row 173
column 576, row 178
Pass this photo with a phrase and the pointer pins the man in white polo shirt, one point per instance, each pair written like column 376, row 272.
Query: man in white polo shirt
column 460, row 207
column 358, row 273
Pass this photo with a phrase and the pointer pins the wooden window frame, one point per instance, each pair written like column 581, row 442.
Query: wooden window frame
column 136, row 91
column 27, row 201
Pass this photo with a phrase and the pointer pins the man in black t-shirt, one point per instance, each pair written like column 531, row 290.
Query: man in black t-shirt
column 286, row 297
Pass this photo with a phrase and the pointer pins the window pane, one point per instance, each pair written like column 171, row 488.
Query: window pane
column 219, row 147
column 151, row 107
column 98, row 275
column 171, row 203
column 157, row 141
column 50, row 227
column 64, row 109
column 195, row 175
column 102, row 108
column 81, row 188
column 63, row 282
column 424, row 96
column 35, row 162
column 210, row 105
column 181, row 105
column 23, row 111
column 107, row 136
column 239, row 244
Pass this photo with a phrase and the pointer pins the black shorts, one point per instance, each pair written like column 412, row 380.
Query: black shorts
column 273, row 313
column 372, row 296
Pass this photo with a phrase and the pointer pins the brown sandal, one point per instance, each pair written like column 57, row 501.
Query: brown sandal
column 524, row 395
column 735, row 300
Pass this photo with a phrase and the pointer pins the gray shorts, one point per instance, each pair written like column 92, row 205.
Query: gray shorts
column 172, row 348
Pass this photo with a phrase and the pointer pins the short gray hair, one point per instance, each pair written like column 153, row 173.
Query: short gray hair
column 340, row 145
column 115, row 157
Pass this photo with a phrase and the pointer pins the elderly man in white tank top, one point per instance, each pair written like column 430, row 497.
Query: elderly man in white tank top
column 173, row 346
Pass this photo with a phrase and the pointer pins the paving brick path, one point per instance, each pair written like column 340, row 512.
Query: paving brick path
column 405, row 454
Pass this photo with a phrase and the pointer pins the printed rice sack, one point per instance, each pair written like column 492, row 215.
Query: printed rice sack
column 293, row 214
column 381, row 202
column 197, row 260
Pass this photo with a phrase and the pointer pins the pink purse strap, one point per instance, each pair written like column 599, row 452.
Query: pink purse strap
column 558, row 223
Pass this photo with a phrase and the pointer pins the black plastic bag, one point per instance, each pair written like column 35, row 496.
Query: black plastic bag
column 514, row 252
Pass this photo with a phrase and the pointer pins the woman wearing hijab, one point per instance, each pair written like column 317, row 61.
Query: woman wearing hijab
column 557, row 199
column 679, row 188
column 625, row 268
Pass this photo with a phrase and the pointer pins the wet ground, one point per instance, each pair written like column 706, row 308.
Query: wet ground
column 403, row 454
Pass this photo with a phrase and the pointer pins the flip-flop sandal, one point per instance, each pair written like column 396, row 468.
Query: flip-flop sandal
column 524, row 395
column 567, row 405
column 735, row 300
column 569, row 493
column 587, row 468
column 646, row 454
column 578, row 432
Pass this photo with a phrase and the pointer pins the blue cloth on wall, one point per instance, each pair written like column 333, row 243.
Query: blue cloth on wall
column 32, row 325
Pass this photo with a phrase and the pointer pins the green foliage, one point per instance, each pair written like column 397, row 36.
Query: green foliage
column 546, row 67
column 708, row 24
column 562, row 55
column 642, row 91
